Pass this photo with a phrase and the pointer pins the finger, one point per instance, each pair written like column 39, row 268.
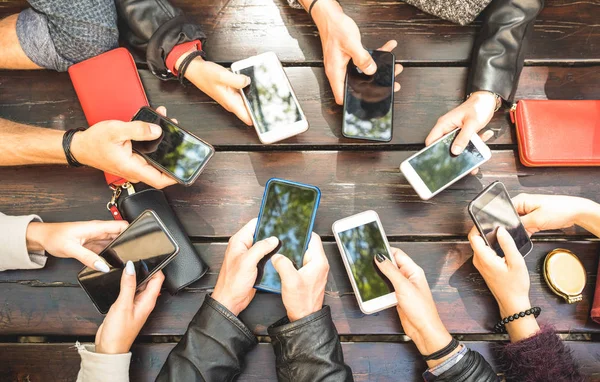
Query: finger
column 513, row 257
column 389, row 46
column 88, row 258
column 362, row 59
column 104, row 229
column 175, row 121
column 284, row 267
column 405, row 264
column 240, row 110
column 148, row 174
column 336, row 73
column 390, row 271
column 480, row 249
column 396, row 87
column 487, row 135
column 398, row 69
column 470, row 127
column 128, row 285
column 443, row 126
column 315, row 253
column 262, row 248
column 245, row 236
column 522, row 203
column 146, row 300
column 137, row 131
column 162, row 111
column 233, row 80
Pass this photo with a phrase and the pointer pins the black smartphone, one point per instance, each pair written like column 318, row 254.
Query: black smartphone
column 369, row 100
column 146, row 242
column 288, row 212
column 491, row 209
column 177, row 152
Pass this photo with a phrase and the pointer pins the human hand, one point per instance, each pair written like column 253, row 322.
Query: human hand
column 128, row 314
column 235, row 285
column 77, row 240
column 416, row 308
column 303, row 290
column 341, row 41
column 107, row 147
column 471, row 116
column 219, row 84
column 545, row 212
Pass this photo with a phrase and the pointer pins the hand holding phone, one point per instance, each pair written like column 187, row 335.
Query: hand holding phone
column 177, row 152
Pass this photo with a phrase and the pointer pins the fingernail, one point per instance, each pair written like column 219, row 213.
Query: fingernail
column 101, row 266
column 273, row 240
column 380, row 258
column 371, row 68
column 155, row 129
column 456, row 149
column 248, row 81
column 129, row 268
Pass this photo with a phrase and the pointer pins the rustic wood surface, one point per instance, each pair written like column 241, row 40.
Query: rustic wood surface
column 562, row 62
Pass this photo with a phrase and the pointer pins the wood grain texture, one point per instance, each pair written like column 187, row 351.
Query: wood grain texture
column 47, row 99
column 49, row 302
column 368, row 361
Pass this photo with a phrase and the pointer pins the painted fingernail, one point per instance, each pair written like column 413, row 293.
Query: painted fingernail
column 273, row 240
column 456, row 149
column 129, row 268
column 155, row 129
column 380, row 258
column 101, row 266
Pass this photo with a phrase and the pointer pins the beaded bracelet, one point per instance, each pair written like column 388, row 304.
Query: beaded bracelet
column 500, row 327
column 66, row 144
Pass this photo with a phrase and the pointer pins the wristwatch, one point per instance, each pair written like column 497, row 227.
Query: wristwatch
column 496, row 96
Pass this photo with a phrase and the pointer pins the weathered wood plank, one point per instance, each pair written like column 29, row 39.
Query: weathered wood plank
column 48, row 99
column 369, row 361
column 229, row 192
column 49, row 301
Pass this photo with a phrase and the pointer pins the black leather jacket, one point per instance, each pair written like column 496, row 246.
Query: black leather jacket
column 498, row 53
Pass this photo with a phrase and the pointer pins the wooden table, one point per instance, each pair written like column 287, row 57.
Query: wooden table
column 563, row 62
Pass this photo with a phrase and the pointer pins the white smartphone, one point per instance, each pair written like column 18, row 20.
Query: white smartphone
column 270, row 99
column 435, row 168
column 359, row 238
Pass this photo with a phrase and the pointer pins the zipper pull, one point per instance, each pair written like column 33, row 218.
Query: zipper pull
column 513, row 112
column 129, row 188
column 112, row 205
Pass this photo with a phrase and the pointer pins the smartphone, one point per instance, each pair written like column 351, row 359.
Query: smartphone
column 359, row 238
column 288, row 212
column 435, row 168
column 369, row 100
column 177, row 152
column 146, row 242
column 493, row 208
column 270, row 99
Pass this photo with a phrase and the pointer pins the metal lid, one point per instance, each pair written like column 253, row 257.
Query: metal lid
column 565, row 274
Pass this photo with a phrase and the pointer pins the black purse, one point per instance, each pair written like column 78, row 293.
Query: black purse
column 188, row 266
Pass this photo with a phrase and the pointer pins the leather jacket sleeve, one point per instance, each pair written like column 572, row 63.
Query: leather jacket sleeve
column 152, row 28
column 309, row 349
column 498, row 53
column 212, row 348
column 472, row 367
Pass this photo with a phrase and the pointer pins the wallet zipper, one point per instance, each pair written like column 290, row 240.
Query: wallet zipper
column 513, row 113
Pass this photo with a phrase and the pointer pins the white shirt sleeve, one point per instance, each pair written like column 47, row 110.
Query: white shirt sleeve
column 96, row 367
column 13, row 251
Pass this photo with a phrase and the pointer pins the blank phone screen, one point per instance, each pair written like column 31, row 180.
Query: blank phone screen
column 179, row 153
column 369, row 100
column 270, row 96
column 437, row 166
column 288, row 212
column 494, row 209
column 145, row 243
column 361, row 244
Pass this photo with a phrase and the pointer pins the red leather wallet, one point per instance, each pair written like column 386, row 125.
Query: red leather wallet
column 554, row 133
column 109, row 88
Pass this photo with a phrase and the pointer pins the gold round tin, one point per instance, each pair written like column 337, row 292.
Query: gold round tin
column 565, row 274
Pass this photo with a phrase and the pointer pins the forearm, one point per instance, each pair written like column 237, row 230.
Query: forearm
column 13, row 56
column 589, row 217
column 28, row 145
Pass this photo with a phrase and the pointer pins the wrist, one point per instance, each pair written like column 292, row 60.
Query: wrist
column 196, row 72
column 587, row 211
column 228, row 303
column 430, row 338
column 514, row 305
column 295, row 316
column 323, row 11
column 487, row 99
column 35, row 236
column 77, row 147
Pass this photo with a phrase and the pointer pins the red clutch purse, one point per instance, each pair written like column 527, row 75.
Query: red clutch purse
column 557, row 133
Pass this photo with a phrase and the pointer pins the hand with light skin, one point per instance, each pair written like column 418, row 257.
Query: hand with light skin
column 303, row 290
column 508, row 280
column 219, row 84
column 341, row 41
column 416, row 308
column 77, row 240
column 128, row 314
column 107, row 147
column 235, row 284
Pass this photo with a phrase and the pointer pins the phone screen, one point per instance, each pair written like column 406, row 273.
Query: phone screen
column 179, row 153
column 369, row 100
column 288, row 213
column 360, row 245
column 270, row 96
column 145, row 243
column 437, row 166
column 494, row 209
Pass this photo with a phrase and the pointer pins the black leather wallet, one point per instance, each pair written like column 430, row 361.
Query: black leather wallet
column 187, row 266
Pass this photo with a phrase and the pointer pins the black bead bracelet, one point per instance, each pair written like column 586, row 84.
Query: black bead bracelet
column 500, row 327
